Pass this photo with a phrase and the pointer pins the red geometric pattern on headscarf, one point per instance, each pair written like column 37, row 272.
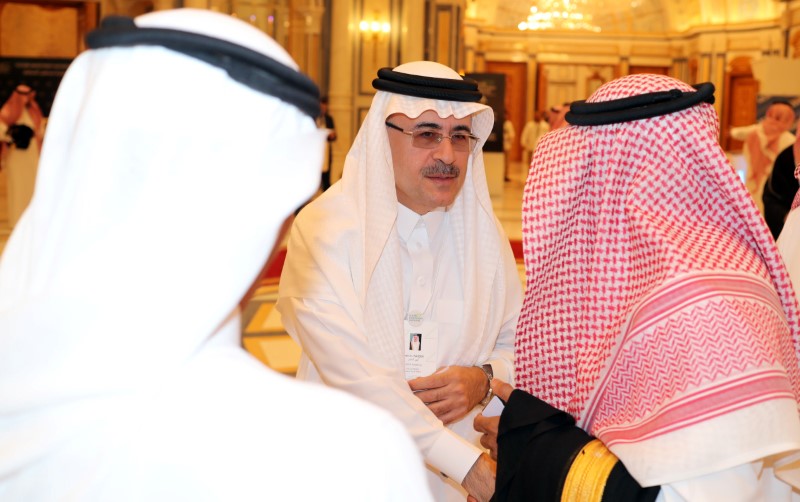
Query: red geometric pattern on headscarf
column 704, row 351
column 610, row 214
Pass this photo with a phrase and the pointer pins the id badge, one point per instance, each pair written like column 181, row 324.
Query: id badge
column 421, row 347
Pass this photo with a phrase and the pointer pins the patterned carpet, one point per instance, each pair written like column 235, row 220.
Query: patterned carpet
column 263, row 334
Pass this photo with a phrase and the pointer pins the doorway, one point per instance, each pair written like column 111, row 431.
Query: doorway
column 515, row 105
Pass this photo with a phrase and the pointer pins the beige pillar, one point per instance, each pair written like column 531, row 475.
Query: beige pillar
column 412, row 31
column 340, row 88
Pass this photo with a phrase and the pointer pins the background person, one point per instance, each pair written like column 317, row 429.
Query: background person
column 762, row 144
column 532, row 133
column 555, row 118
column 788, row 241
column 509, row 136
column 657, row 347
column 122, row 375
column 22, row 125
column 407, row 242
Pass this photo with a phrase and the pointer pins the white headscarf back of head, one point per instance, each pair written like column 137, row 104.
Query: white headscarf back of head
column 162, row 186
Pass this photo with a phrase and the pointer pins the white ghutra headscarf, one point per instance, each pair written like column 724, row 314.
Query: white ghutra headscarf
column 162, row 187
column 368, row 178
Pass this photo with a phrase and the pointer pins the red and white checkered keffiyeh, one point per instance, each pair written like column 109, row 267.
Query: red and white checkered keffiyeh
column 656, row 298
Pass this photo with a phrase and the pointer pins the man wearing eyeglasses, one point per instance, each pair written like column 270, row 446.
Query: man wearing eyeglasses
column 407, row 243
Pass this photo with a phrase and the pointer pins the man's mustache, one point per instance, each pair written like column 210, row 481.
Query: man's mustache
column 440, row 168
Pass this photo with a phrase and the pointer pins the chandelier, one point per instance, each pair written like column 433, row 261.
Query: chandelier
column 559, row 15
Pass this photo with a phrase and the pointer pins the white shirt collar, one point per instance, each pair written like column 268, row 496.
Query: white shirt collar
column 407, row 220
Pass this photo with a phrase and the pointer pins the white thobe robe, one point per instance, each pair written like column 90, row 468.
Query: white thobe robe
column 337, row 351
column 122, row 376
column 342, row 293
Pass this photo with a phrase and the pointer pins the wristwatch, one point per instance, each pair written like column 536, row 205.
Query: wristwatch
column 487, row 369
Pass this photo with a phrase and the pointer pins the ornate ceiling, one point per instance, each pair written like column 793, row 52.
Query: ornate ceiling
column 635, row 16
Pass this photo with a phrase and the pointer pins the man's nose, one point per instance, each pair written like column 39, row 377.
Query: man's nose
column 444, row 151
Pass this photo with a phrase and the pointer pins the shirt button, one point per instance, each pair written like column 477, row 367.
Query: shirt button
column 420, row 281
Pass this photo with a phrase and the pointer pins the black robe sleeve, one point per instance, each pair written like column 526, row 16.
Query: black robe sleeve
column 536, row 447
column 779, row 190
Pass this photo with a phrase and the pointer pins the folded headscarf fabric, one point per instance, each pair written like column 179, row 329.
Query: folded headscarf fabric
column 121, row 371
column 658, row 312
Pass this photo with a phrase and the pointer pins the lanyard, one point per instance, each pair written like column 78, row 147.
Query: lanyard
column 423, row 275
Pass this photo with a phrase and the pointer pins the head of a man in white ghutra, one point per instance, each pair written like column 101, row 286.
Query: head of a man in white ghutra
column 432, row 131
column 178, row 144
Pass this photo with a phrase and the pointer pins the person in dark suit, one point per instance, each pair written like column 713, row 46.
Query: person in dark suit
column 780, row 189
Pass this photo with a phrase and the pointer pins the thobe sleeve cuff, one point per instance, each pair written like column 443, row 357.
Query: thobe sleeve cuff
column 452, row 455
column 501, row 370
column 739, row 133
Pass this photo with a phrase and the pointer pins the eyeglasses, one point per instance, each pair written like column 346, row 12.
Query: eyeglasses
column 430, row 139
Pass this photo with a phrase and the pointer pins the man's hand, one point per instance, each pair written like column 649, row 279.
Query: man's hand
column 488, row 425
column 501, row 389
column 759, row 162
column 451, row 392
column 480, row 480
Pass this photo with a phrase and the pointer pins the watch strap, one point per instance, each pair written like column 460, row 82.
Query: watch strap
column 489, row 372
